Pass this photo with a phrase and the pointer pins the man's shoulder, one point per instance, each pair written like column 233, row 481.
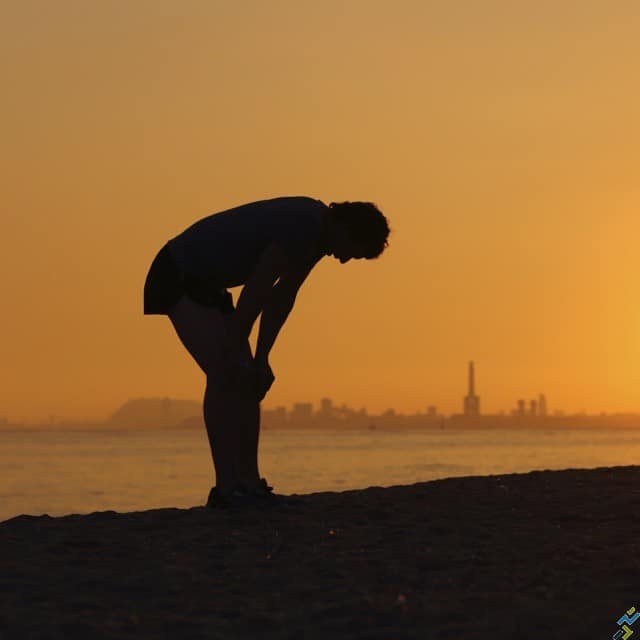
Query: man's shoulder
column 297, row 202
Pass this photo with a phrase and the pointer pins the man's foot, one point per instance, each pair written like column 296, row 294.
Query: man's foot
column 264, row 495
column 262, row 489
column 241, row 495
column 258, row 486
column 231, row 498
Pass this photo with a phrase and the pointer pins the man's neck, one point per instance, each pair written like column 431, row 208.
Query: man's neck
column 327, row 222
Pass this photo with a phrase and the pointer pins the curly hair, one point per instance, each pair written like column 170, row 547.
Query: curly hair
column 366, row 225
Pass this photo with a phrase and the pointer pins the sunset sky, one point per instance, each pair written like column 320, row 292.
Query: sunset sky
column 501, row 139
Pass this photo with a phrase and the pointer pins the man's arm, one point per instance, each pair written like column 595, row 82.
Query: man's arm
column 273, row 317
column 277, row 308
column 257, row 289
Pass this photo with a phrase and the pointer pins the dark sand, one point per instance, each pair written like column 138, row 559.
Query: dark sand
column 546, row 554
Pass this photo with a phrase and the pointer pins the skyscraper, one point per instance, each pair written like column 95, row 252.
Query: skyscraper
column 542, row 404
column 471, row 400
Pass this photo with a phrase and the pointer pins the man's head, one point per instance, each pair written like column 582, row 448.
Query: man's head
column 356, row 230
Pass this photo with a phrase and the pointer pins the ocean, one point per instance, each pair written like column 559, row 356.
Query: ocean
column 63, row 472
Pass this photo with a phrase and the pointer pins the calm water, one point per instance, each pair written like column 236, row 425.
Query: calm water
column 80, row 472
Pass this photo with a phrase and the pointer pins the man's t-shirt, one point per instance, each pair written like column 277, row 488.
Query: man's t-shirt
column 226, row 246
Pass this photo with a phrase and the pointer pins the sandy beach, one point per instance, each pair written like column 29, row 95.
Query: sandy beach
column 545, row 554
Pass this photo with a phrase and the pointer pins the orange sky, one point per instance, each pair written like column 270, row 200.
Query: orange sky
column 501, row 140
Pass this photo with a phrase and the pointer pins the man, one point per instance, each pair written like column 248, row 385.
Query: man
column 270, row 247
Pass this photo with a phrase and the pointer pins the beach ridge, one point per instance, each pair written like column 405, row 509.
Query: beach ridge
column 548, row 554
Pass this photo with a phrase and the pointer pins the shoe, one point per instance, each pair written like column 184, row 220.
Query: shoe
column 264, row 496
column 263, row 490
column 238, row 496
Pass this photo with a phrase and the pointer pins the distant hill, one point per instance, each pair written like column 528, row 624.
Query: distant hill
column 157, row 413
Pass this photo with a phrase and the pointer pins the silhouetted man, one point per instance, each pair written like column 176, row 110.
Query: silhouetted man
column 270, row 247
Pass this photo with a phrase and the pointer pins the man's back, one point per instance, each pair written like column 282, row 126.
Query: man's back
column 226, row 246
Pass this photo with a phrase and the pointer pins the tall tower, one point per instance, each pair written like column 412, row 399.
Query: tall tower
column 471, row 400
column 542, row 404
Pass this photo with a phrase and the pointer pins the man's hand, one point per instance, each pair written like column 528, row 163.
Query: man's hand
column 265, row 377
column 240, row 364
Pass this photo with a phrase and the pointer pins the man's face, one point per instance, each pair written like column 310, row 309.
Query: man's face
column 344, row 247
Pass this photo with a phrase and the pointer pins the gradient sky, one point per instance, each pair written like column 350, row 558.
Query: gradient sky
column 501, row 139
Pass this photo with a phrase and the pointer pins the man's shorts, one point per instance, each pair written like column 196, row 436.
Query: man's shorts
column 166, row 284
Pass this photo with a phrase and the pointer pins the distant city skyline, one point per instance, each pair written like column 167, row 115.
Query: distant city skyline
column 471, row 402
column 470, row 408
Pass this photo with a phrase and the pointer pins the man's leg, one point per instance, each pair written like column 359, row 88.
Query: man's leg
column 248, row 431
column 243, row 400
column 231, row 410
column 201, row 330
column 219, row 421
column 232, row 418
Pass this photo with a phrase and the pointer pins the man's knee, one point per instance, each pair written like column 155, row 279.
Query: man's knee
column 218, row 377
column 237, row 379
